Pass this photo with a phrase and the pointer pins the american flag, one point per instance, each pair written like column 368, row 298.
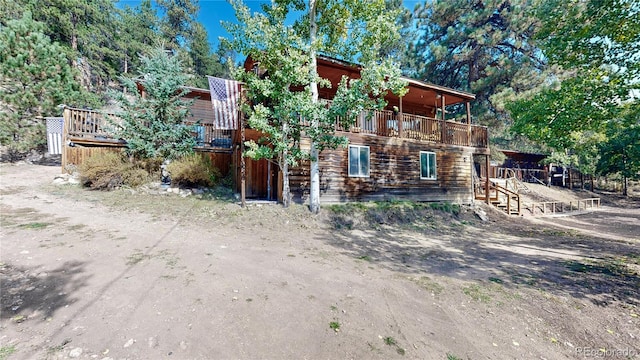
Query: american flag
column 224, row 99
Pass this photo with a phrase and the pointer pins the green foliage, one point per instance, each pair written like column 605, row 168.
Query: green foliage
column 594, row 44
column 483, row 47
column 177, row 25
column 335, row 326
column 153, row 126
column 6, row 351
column 110, row 170
column 621, row 152
column 87, row 30
column 193, row 170
column 393, row 213
column 34, row 79
column 284, row 104
column 200, row 51
column 137, row 33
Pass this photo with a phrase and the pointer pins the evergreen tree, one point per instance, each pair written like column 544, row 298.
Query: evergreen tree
column 202, row 59
column 88, row 28
column 177, row 24
column 485, row 47
column 10, row 10
column 137, row 34
column 153, row 126
column 34, row 79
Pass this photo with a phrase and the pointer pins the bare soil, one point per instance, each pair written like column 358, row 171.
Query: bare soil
column 142, row 275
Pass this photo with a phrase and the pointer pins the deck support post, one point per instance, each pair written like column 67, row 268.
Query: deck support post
column 243, row 166
column 399, row 119
column 66, row 123
column 486, row 181
column 443, row 128
column 468, row 105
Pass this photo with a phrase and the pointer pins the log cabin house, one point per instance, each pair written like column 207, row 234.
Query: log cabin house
column 411, row 150
column 418, row 152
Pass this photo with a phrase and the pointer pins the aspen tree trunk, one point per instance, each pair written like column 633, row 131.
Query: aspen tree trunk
column 314, row 191
column 284, row 165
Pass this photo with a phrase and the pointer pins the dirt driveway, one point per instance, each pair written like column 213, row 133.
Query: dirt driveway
column 132, row 275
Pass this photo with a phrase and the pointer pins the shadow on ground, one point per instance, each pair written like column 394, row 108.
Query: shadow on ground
column 560, row 261
column 30, row 292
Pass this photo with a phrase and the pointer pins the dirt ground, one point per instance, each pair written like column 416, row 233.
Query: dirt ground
column 137, row 275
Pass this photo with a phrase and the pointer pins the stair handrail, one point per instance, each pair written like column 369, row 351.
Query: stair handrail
column 508, row 193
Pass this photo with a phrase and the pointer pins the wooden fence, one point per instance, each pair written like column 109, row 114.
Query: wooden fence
column 553, row 207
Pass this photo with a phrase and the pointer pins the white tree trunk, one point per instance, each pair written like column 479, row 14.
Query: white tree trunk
column 284, row 166
column 314, row 191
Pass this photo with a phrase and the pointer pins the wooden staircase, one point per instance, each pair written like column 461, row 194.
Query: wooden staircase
column 499, row 195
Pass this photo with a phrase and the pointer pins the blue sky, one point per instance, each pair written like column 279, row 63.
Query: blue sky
column 212, row 12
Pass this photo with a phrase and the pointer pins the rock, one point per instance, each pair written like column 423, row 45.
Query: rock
column 480, row 213
column 59, row 181
column 153, row 342
column 129, row 343
column 74, row 180
column 183, row 345
column 75, row 352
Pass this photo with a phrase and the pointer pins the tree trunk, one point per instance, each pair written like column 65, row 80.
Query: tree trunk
column 284, row 166
column 314, row 191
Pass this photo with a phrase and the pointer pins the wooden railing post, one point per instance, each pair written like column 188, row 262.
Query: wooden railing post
column 468, row 105
column 443, row 128
column 400, row 119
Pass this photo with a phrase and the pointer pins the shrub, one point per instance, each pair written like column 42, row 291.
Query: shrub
column 106, row 171
column 193, row 170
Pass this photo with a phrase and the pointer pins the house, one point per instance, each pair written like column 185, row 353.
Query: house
column 524, row 166
column 420, row 152
column 85, row 132
column 417, row 153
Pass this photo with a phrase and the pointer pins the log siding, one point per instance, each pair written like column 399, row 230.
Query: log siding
column 394, row 173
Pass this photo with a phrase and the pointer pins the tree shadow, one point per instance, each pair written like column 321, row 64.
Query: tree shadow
column 26, row 292
column 553, row 259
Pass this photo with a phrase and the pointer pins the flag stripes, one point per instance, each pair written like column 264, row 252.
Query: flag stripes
column 54, row 135
column 224, row 101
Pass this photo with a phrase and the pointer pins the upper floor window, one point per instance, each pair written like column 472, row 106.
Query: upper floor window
column 427, row 165
column 358, row 161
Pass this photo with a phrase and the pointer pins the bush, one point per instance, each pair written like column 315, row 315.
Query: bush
column 110, row 170
column 193, row 170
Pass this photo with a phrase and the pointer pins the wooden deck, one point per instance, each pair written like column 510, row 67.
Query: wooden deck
column 93, row 128
column 88, row 126
column 386, row 123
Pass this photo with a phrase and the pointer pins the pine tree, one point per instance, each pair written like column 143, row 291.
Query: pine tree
column 177, row 23
column 485, row 47
column 137, row 34
column 87, row 28
column 202, row 59
column 153, row 126
column 34, row 79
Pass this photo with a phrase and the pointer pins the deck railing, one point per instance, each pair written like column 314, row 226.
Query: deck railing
column 88, row 123
column 387, row 123
column 91, row 124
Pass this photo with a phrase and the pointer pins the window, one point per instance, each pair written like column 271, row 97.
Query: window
column 427, row 165
column 358, row 161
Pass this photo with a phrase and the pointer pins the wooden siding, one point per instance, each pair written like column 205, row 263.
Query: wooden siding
column 76, row 155
column 394, row 173
column 202, row 111
column 220, row 160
